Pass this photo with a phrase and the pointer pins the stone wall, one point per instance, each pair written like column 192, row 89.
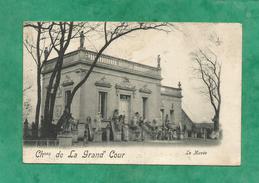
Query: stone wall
column 171, row 103
column 89, row 93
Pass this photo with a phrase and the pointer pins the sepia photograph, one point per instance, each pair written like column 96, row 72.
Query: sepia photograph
column 164, row 93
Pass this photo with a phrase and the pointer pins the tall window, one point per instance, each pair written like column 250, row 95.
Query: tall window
column 172, row 116
column 67, row 96
column 144, row 107
column 162, row 115
column 102, row 104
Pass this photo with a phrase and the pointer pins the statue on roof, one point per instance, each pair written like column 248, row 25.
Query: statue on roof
column 82, row 40
column 179, row 85
column 158, row 62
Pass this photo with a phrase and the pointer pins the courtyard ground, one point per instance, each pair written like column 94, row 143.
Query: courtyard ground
column 189, row 142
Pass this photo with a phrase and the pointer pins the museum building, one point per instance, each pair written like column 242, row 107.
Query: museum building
column 115, row 83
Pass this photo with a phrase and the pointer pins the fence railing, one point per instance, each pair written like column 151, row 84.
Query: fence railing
column 47, row 143
column 171, row 91
column 109, row 60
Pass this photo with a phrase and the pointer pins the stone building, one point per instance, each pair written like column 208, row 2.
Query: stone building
column 115, row 83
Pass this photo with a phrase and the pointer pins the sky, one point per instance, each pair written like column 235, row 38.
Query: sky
column 174, row 49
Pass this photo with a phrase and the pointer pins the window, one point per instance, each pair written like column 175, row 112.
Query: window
column 102, row 104
column 67, row 96
column 125, row 107
column 144, row 107
column 162, row 113
column 172, row 116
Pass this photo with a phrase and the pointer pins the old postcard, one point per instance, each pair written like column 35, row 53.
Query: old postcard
column 162, row 93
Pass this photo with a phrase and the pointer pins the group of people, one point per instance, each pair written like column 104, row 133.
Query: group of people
column 137, row 125
column 167, row 134
column 119, row 120
column 123, row 126
column 119, row 124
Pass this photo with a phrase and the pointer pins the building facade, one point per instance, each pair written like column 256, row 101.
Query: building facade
column 115, row 83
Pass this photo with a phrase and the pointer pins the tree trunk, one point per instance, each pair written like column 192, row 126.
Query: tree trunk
column 46, row 115
column 47, row 119
column 216, row 121
column 51, row 95
column 216, row 125
column 56, row 85
column 56, row 75
column 37, row 115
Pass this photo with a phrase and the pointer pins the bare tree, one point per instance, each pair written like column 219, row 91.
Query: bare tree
column 208, row 70
column 36, row 50
column 112, row 32
column 27, row 108
column 60, row 35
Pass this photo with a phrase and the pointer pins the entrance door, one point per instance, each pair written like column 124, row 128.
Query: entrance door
column 124, row 107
